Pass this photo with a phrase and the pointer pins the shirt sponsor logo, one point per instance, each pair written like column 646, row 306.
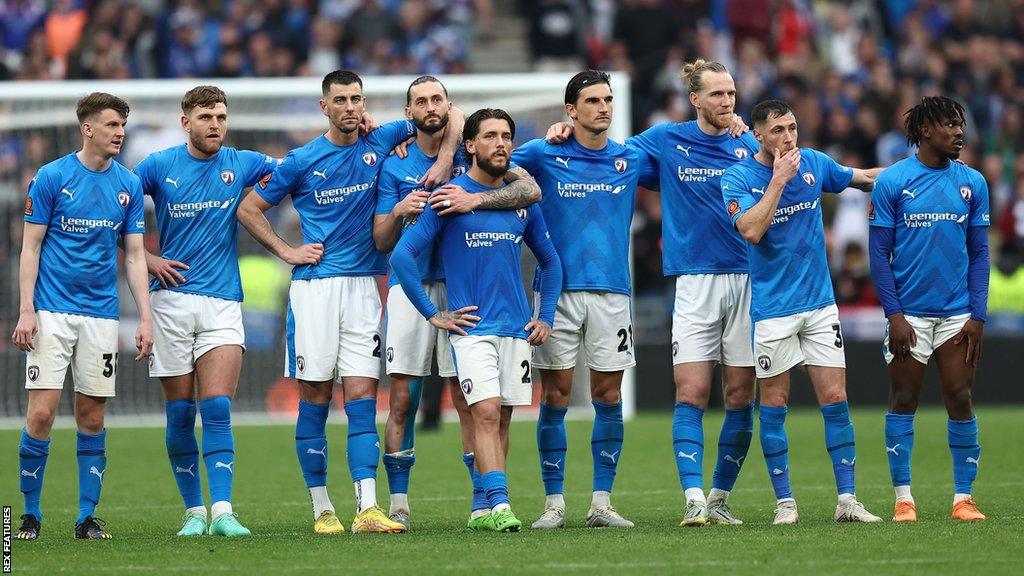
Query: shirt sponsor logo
column 86, row 225
column 335, row 195
column 697, row 173
column 191, row 209
column 580, row 189
column 927, row 219
column 488, row 239
column 783, row 214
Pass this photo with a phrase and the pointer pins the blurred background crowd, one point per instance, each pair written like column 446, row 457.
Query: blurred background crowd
column 850, row 69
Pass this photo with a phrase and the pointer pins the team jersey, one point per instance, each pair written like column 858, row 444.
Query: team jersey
column 480, row 251
column 398, row 178
column 788, row 267
column 334, row 190
column 930, row 210
column 195, row 204
column 85, row 212
column 697, row 236
column 588, row 199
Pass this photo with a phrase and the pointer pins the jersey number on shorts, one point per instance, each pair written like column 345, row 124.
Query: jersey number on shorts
column 526, row 371
column 376, row 345
column 109, row 365
column 622, row 333
column 839, row 336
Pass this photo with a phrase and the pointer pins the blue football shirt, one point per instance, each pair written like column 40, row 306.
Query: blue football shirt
column 480, row 251
column 930, row 210
column 588, row 199
column 334, row 190
column 788, row 267
column 697, row 236
column 85, row 213
column 398, row 178
column 196, row 201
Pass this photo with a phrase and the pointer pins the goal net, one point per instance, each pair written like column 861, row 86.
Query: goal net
column 38, row 124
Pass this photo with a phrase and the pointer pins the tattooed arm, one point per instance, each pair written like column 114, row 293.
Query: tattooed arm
column 520, row 191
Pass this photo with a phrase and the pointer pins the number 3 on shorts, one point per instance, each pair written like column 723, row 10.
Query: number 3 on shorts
column 109, row 365
column 839, row 335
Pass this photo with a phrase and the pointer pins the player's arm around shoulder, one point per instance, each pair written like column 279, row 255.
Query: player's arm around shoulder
column 864, row 178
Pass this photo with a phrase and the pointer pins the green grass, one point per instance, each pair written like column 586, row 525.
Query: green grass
column 143, row 509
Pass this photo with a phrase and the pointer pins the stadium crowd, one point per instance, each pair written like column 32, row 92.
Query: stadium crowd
column 849, row 68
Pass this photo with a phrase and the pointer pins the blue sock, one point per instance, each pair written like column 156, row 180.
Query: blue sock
column 218, row 446
column 899, row 443
column 398, row 466
column 479, row 496
column 363, row 441
column 183, row 450
column 733, row 444
column 775, row 446
column 551, row 444
column 495, row 484
column 32, row 455
column 688, row 443
column 311, row 442
column 606, row 443
column 964, row 447
column 840, row 444
column 92, row 466
column 409, row 432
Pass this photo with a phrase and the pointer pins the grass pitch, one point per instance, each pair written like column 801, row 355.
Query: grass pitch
column 143, row 510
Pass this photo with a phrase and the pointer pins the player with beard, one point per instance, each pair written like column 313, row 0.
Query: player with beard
column 197, row 292
column 488, row 316
column 334, row 308
column 929, row 222
column 412, row 342
column 79, row 207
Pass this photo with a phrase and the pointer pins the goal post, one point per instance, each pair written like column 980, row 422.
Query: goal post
column 273, row 115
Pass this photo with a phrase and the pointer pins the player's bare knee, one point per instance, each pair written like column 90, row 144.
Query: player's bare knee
column 556, row 396
column 958, row 401
column 90, row 421
column 903, row 400
column 39, row 421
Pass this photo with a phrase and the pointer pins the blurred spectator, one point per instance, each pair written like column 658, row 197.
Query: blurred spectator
column 557, row 34
column 1006, row 283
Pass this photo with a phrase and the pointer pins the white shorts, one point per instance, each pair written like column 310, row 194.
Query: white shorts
column 601, row 321
column 813, row 337
column 186, row 326
column 931, row 333
column 711, row 319
column 333, row 329
column 411, row 340
column 493, row 366
column 86, row 343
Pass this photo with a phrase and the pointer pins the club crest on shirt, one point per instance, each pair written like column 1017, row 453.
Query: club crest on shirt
column 871, row 210
column 123, row 198
column 227, row 176
column 741, row 153
column 620, row 165
column 809, row 178
column 370, row 158
column 458, row 171
column 965, row 193
column 521, row 213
